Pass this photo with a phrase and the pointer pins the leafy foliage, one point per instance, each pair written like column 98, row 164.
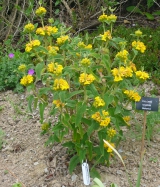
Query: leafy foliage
column 9, row 76
column 83, row 85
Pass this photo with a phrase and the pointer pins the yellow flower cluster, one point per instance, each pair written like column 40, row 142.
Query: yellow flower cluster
column 122, row 55
column 142, row 75
column 45, row 126
column 82, row 45
column 133, row 95
column 85, row 62
column 29, row 27
column 138, row 33
column 61, row 40
column 47, row 30
column 127, row 119
column 55, row 68
column 103, row 119
column 109, row 19
column 139, row 46
column 26, row 80
column 41, row 11
column 106, row 36
column 60, row 84
column 58, row 103
column 53, row 50
column 111, row 132
column 33, row 43
column 98, row 102
column 22, row 67
column 121, row 72
column 109, row 150
column 86, row 79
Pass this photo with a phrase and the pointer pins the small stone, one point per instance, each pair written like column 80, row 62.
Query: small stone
column 74, row 177
column 46, row 170
column 36, row 163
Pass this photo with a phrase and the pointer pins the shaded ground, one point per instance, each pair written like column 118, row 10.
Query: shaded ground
column 25, row 158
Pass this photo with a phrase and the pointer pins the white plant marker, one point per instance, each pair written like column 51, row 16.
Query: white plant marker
column 85, row 172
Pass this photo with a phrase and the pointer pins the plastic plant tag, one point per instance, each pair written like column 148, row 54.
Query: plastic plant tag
column 85, row 172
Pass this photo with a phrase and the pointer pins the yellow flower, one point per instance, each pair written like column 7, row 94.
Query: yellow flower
column 112, row 18
column 58, row 103
column 89, row 46
column 117, row 75
column 22, row 67
column 138, row 33
column 85, row 61
column 106, row 36
column 133, row 66
column 86, row 79
column 60, row 84
column 28, row 47
column 105, row 122
column 103, row 18
column 40, row 31
column 122, row 55
column 45, row 126
column 96, row 116
column 126, row 71
column 29, row 79
column 103, row 119
column 139, row 46
column 29, row 27
column 41, row 11
column 55, row 68
column 109, row 150
column 61, row 40
column 127, row 119
column 35, row 43
column 50, row 30
column 142, row 75
column 98, row 102
column 133, row 95
column 26, row 80
column 81, row 45
column 111, row 132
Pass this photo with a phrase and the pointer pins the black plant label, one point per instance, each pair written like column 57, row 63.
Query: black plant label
column 148, row 103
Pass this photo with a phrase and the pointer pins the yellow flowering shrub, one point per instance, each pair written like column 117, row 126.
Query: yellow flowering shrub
column 82, row 85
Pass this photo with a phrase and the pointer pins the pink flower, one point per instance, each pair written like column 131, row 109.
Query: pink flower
column 11, row 55
column 30, row 72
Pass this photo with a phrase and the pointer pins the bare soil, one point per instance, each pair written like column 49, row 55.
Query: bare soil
column 24, row 157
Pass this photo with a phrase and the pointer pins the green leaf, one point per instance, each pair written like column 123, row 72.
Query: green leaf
column 89, row 149
column 74, row 93
column 118, row 110
column 57, row 127
column 41, row 110
column 134, row 9
column 106, row 61
column 73, row 163
column 82, row 153
column 81, row 108
column 156, row 13
column 92, row 128
column 38, row 70
column 69, row 144
column 149, row 16
column 44, row 91
column 98, row 182
column 94, row 173
column 93, row 89
column 150, row 3
column 114, row 185
column 30, row 100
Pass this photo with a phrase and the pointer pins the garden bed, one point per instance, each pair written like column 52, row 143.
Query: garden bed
column 25, row 158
